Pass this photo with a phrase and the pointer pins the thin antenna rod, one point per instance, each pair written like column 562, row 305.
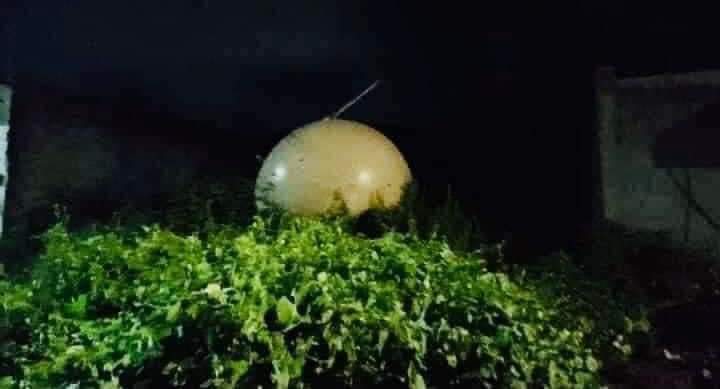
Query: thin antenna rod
column 355, row 100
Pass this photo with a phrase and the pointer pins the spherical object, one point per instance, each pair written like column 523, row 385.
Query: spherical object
column 331, row 161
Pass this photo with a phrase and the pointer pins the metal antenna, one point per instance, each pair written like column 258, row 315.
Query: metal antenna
column 355, row 100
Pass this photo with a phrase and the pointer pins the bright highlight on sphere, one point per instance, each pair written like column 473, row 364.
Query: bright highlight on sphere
column 308, row 171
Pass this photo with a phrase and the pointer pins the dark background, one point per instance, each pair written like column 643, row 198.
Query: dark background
column 495, row 101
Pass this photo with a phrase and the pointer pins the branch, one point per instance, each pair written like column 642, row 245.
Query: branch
column 693, row 203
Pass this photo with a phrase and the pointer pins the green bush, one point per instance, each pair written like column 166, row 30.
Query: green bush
column 617, row 319
column 206, row 203
column 286, row 302
column 444, row 218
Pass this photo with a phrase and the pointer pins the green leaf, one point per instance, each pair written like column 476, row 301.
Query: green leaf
column 173, row 312
column 114, row 383
column 592, row 363
column 281, row 377
column 286, row 311
column 239, row 369
column 77, row 307
column 417, row 382
column 382, row 339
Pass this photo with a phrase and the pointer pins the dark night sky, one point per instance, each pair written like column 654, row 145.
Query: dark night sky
column 517, row 80
column 211, row 58
column 216, row 56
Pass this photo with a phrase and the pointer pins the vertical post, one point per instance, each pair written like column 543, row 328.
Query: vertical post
column 5, row 99
column 605, row 100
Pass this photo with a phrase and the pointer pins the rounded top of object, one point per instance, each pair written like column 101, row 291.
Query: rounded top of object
column 322, row 162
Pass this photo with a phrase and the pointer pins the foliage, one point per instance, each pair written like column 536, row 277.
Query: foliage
column 417, row 215
column 286, row 302
column 618, row 320
column 200, row 207
column 215, row 203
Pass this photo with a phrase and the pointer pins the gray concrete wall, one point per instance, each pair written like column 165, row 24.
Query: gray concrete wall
column 5, row 104
column 635, row 193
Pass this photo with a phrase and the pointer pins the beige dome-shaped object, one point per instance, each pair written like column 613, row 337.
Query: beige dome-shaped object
column 320, row 163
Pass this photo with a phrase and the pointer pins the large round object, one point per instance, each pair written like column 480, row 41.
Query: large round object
column 329, row 160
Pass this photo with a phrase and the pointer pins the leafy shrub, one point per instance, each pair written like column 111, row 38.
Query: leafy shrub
column 287, row 302
column 417, row 214
column 215, row 202
column 618, row 320
column 206, row 203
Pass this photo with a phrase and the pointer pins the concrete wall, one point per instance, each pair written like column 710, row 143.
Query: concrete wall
column 635, row 192
column 5, row 100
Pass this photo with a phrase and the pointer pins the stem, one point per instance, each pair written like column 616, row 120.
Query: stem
column 692, row 201
column 355, row 100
